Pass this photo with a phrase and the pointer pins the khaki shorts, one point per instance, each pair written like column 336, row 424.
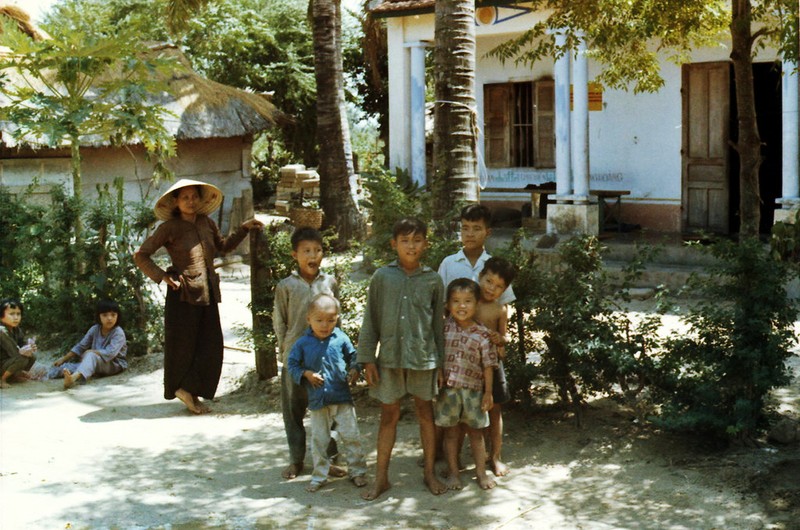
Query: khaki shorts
column 396, row 383
column 460, row 405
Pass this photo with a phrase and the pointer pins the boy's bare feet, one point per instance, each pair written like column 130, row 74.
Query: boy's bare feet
column 485, row 482
column 453, row 483
column 499, row 468
column 292, row 470
column 185, row 397
column 337, row 472
column 376, row 490
column 315, row 486
column 3, row 384
column 69, row 381
column 434, row 485
column 360, row 481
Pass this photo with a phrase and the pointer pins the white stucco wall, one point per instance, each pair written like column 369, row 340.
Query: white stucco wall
column 635, row 140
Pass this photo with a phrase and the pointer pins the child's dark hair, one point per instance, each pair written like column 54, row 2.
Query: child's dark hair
column 10, row 303
column 477, row 212
column 107, row 306
column 305, row 234
column 409, row 226
column 464, row 284
column 501, row 267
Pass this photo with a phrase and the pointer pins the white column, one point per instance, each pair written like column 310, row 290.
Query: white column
column 580, row 124
column 563, row 162
column 791, row 126
column 416, row 114
column 398, row 95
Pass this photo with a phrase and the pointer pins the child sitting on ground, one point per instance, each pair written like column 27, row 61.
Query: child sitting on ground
column 466, row 397
column 100, row 352
column 324, row 360
column 496, row 276
column 16, row 355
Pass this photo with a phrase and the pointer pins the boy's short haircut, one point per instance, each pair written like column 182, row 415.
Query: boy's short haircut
column 319, row 301
column 501, row 267
column 305, row 233
column 477, row 212
column 409, row 226
column 10, row 303
column 464, row 284
column 108, row 306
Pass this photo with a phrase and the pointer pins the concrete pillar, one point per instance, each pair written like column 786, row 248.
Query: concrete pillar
column 580, row 124
column 563, row 156
column 791, row 138
column 416, row 114
column 398, row 95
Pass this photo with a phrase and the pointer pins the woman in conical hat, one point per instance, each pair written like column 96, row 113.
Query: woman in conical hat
column 192, row 331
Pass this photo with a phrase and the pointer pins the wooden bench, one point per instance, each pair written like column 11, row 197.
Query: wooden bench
column 610, row 202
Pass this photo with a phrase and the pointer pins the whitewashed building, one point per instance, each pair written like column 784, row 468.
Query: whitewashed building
column 669, row 150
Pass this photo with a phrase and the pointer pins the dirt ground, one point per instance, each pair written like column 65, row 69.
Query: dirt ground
column 114, row 454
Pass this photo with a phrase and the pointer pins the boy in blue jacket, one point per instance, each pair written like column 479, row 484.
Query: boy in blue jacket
column 324, row 360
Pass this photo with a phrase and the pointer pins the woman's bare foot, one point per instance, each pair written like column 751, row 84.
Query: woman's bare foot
column 453, row 483
column 337, row 472
column 359, row 481
column 376, row 490
column 186, row 398
column 485, row 482
column 292, row 470
column 3, row 384
column 315, row 486
column 69, row 380
column 498, row 468
column 202, row 407
column 434, row 485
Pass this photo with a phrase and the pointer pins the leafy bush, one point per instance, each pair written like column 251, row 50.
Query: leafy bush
column 590, row 344
column 715, row 378
column 60, row 279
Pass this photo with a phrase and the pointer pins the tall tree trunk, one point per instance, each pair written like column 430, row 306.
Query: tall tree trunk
column 748, row 144
column 337, row 174
column 77, row 183
column 455, row 133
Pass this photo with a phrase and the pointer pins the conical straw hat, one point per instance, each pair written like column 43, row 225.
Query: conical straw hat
column 210, row 198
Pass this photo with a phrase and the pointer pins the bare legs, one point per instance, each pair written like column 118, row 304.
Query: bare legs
column 387, row 433
column 494, row 436
column 452, row 444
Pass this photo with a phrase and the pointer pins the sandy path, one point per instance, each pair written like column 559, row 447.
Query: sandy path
column 114, row 454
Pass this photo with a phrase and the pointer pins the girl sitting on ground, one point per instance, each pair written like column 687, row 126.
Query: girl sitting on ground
column 16, row 355
column 100, row 352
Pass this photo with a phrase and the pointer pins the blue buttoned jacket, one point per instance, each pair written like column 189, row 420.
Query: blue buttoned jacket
column 333, row 357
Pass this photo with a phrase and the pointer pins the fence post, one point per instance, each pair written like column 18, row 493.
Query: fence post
column 266, row 361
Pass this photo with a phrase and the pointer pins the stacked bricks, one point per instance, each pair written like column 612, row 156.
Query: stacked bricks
column 295, row 179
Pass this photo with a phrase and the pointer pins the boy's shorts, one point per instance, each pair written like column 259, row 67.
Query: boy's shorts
column 500, row 392
column 396, row 383
column 460, row 405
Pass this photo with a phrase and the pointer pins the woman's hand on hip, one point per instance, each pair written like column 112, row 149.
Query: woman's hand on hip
column 172, row 282
column 252, row 224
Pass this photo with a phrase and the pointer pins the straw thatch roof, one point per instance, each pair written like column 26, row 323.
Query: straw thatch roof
column 201, row 108
column 390, row 8
column 24, row 22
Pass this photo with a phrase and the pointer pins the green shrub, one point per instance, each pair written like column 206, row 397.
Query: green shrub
column 714, row 378
column 589, row 342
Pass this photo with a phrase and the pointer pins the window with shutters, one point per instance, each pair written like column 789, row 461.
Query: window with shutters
column 519, row 127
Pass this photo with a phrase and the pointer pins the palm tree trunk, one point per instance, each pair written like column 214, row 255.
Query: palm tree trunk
column 336, row 170
column 455, row 133
column 748, row 144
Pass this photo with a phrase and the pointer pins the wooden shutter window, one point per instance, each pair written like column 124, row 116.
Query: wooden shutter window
column 545, row 124
column 497, row 126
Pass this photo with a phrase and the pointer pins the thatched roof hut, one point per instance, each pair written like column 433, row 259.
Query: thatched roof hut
column 23, row 20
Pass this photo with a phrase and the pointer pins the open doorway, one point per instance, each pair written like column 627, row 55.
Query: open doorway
column 767, row 85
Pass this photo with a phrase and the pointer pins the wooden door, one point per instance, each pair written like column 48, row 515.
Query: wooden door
column 545, row 124
column 706, row 111
column 497, row 126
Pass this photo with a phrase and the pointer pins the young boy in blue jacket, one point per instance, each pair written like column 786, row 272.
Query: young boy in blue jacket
column 324, row 360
